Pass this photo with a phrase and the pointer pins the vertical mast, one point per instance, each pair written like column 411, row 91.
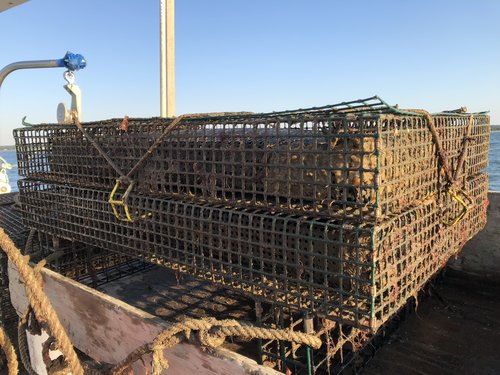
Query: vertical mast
column 167, row 59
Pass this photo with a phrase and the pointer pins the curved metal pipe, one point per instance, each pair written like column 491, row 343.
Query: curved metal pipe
column 71, row 61
column 29, row 65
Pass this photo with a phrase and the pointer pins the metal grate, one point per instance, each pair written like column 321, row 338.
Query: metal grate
column 345, row 349
column 340, row 344
column 84, row 263
column 7, row 199
column 351, row 273
column 412, row 247
column 95, row 267
column 360, row 160
column 11, row 222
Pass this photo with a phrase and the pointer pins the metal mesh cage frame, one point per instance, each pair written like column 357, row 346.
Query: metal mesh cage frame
column 343, row 347
column 340, row 344
column 354, row 274
column 81, row 262
column 11, row 223
column 362, row 160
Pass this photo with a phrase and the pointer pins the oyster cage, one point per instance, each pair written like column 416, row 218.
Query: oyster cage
column 84, row 263
column 345, row 349
column 362, row 160
column 355, row 274
column 11, row 223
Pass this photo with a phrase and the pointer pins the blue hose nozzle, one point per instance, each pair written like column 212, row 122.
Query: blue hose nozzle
column 73, row 61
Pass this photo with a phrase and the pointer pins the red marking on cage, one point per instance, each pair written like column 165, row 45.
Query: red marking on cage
column 486, row 204
column 394, row 294
column 124, row 125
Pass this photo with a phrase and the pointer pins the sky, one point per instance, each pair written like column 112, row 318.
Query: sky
column 259, row 55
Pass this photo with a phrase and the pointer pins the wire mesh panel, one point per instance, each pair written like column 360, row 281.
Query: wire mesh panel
column 351, row 273
column 11, row 223
column 11, row 219
column 84, row 263
column 345, row 349
column 361, row 160
column 414, row 246
column 340, row 344
column 95, row 267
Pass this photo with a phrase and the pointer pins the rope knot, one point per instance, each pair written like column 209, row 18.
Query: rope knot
column 215, row 335
column 211, row 340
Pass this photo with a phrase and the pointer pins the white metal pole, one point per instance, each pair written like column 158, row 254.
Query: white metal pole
column 167, row 59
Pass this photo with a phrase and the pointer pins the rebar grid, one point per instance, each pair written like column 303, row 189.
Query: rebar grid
column 363, row 161
column 355, row 274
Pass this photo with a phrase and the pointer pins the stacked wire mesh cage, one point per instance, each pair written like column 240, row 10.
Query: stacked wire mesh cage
column 330, row 218
column 17, row 232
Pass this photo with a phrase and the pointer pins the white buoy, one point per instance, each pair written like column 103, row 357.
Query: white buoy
column 4, row 178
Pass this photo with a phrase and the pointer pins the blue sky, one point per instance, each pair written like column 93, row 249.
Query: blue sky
column 258, row 55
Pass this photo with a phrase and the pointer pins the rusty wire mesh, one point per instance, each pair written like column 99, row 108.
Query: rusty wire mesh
column 414, row 246
column 82, row 262
column 10, row 221
column 95, row 267
column 361, row 160
column 78, row 261
column 344, row 349
column 354, row 274
column 340, row 344
column 339, row 213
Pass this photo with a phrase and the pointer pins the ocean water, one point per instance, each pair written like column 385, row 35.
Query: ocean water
column 493, row 168
column 494, row 162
